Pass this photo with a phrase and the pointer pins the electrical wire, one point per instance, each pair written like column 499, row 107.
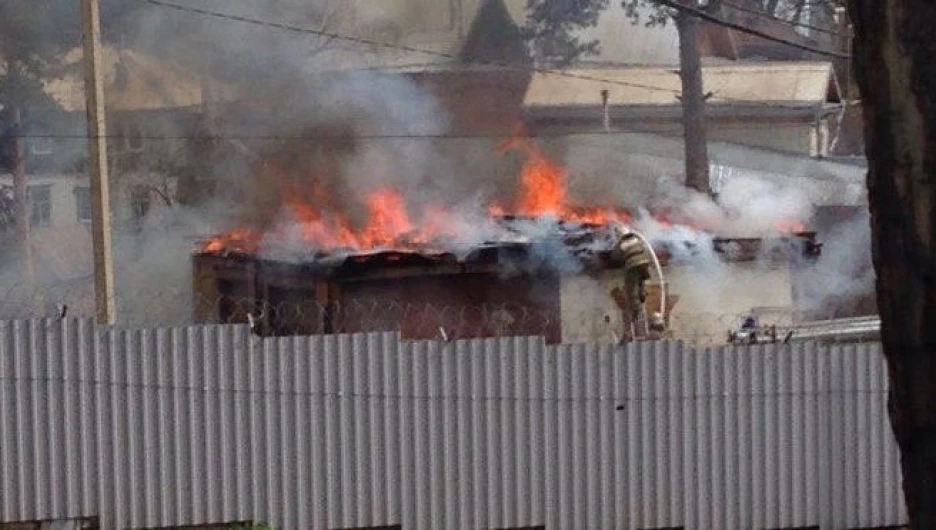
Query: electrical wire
column 741, row 104
column 318, row 137
column 376, row 43
column 768, row 16
column 708, row 17
column 448, row 56
column 399, row 47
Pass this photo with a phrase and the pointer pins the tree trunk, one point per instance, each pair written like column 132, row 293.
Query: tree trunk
column 893, row 52
column 693, row 104
column 21, row 200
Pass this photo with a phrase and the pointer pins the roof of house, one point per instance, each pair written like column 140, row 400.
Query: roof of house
column 717, row 40
column 132, row 81
column 593, row 246
column 805, row 84
column 478, row 31
column 647, row 161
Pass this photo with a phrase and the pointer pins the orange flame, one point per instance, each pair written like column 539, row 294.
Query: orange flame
column 543, row 191
column 237, row 239
column 325, row 226
column 388, row 222
column 790, row 226
column 542, row 182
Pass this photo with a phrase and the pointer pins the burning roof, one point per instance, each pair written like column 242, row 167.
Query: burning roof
column 539, row 224
column 588, row 245
column 318, row 222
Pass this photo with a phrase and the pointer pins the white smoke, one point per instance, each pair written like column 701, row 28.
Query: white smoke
column 845, row 271
column 285, row 95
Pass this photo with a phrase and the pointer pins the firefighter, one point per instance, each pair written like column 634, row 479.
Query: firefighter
column 637, row 257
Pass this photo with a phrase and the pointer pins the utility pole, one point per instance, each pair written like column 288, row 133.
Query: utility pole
column 97, row 163
column 693, row 101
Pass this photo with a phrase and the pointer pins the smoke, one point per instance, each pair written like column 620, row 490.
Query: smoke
column 844, row 273
column 626, row 42
column 293, row 126
column 276, row 70
column 548, row 246
column 645, row 172
column 390, row 106
column 153, row 268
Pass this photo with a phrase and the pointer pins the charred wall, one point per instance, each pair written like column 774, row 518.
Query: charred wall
column 467, row 305
column 421, row 302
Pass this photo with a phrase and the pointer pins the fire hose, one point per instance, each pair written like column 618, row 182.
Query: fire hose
column 636, row 254
column 657, row 268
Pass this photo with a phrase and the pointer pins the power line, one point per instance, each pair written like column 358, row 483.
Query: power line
column 399, row 47
column 702, row 15
column 484, row 62
column 316, row 137
column 775, row 18
column 449, row 56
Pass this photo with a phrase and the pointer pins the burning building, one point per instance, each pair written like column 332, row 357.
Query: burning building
column 534, row 265
column 493, row 290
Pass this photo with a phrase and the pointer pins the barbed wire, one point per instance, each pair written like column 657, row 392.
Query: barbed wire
column 179, row 306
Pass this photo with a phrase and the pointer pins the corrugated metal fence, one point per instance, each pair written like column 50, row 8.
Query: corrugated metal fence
column 208, row 424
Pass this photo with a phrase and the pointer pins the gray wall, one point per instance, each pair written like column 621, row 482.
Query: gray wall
column 170, row 426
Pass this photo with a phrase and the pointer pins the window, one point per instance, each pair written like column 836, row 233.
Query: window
column 133, row 141
column 41, row 198
column 127, row 138
column 83, row 202
column 41, row 146
column 139, row 203
column 718, row 175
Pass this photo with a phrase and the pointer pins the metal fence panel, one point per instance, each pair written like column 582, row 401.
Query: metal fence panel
column 148, row 428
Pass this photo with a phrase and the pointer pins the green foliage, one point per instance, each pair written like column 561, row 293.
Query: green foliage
column 656, row 14
column 32, row 37
column 551, row 26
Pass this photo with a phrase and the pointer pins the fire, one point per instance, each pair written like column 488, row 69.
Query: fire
column 544, row 192
column 329, row 231
column 238, row 239
column 543, row 183
column 437, row 223
column 390, row 223
column 790, row 226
